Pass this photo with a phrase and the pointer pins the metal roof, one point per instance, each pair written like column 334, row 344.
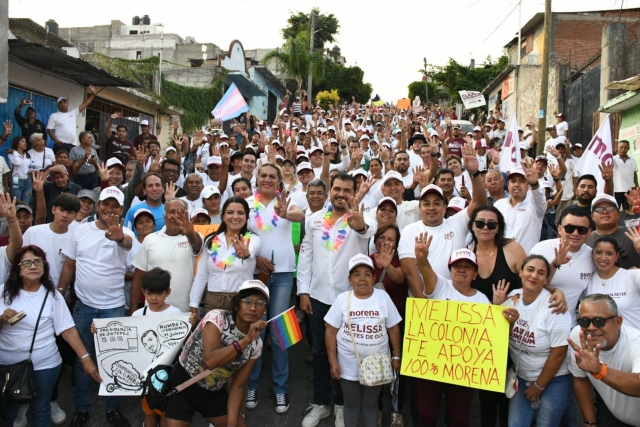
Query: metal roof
column 632, row 83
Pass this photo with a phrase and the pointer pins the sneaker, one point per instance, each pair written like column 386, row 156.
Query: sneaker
column 252, row 399
column 315, row 415
column 282, row 403
column 79, row 419
column 116, row 419
column 396, row 420
column 338, row 411
column 58, row 416
column 21, row 418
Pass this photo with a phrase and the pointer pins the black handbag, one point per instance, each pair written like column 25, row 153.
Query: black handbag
column 17, row 380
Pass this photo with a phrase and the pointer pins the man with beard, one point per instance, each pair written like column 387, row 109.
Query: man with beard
column 318, row 288
column 401, row 163
column 586, row 190
column 605, row 357
column 193, row 187
column 153, row 188
column 154, row 155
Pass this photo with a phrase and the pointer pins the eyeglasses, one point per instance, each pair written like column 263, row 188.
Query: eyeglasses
column 582, row 230
column 248, row 302
column 492, row 225
column 29, row 263
column 172, row 171
column 598, row 322
column 603, row 209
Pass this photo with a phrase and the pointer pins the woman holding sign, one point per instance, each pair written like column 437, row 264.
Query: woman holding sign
column 464, row 269
column 538, row 349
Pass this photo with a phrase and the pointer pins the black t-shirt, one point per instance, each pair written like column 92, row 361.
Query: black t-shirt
column 29, row 129
column 629, row 257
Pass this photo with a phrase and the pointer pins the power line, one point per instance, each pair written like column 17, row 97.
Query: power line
column 495, row 29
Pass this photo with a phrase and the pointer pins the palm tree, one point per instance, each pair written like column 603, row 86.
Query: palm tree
column 294, row 60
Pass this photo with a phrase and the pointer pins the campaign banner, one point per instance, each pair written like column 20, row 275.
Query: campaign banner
column 472, row 99
column 127, row 347
column 599, row 151
column 510, row 153
column 454, row 342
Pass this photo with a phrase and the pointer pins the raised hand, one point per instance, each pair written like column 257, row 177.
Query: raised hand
column 355, row 215
column 633, row 198
column 8, row 207
column 367, row 184
column 141, row 155
column 530, row 171
column 606, row 170
column 92, row 90
column 38, row 180
column 423, row 242
column 225, row 155
column 470, row 158
column 500, row 291
column 241, row 246
column 282, row 204
column 634, row 236
column 116, row 115
column 170, row 191
column 103, row 171
column 384, row 256
column 561, row 253
column 555, row 171
column 114, row 228
column 182, row 218
column 7, row 127
column 155, row 165
column 553, row 151
column 587, row 354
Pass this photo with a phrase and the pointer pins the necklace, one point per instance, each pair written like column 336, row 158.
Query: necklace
column 256, row 210
column 215, row 246
column 326, row 237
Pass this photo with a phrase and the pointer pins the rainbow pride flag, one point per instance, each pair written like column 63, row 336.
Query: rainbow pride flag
column 286, row 328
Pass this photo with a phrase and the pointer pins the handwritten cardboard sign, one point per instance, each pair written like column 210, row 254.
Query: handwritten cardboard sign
column 472, row 99
column 456, row 342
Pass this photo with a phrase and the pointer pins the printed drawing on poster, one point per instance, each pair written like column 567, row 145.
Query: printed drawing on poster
column 127, row 347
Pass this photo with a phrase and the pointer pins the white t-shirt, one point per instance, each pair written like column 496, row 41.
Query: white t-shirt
column 5, row 264
column 523, row 221
column 547, row 331
column 15, row 340
column 624, row 173
column 52, row 244
column 567, row 179
column 446, row 291
column 4, row 168
column 64, row 126
column 624, row 288
column 169, row 310
column 193, row 204
column 100, row 266
column 573, row 277
column 370, row 318
column 300, row 198
column 41, row 160
column 408, row 213
column 562, row 127
column 457, row 180
column 135, row 247
column 625, row 357
column 174, row 254
column 447, row 237
column 552, row 143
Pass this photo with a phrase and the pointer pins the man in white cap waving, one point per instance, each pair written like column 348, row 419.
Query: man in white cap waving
column 62, row 126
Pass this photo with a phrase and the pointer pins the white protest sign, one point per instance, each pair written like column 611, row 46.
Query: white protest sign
column 127, row 347
column 472, row 99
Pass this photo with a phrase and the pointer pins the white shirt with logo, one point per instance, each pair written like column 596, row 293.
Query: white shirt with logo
column 524, row 220
column 408, row 213
column 445, row 290
column 52, row 244
column 624, row 288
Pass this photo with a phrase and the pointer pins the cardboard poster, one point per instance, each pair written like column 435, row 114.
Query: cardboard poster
column 472, row 99
column 456, row 342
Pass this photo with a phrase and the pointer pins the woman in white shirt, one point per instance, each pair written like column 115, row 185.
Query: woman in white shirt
column 464, row 268
column 41, row 157
column 20, row 161
column 538, row 350
column 620, row 284
column 29, row 289
column 461, row 178
column 229, row 260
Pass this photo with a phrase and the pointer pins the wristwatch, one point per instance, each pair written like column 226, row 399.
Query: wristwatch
column 477, row 174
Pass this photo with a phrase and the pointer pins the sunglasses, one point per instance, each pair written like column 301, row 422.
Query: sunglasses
column 582, row 230
column 598, row 322
column 603, row 209
column 492, row 225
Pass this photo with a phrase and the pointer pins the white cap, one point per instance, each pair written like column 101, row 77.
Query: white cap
column 112, row 192
column 433, row 132
column 477, row 129
column 314, row 149
column 388, row 200
column 391, row 175
column 302, row 156
column 347, row 122
column 602, row 198
column 199, row 211
column 60, row 99
column 333, row 141
column 143, row 211
column 304, row 166
column 170, row 149
column 114, row 161
column 255, row 284
column 461, row 254
column 431, row 188
column 516, row 171
column 360, row 259
column 209, row 191
column 457, row 204
column 357, row 172
column 279, row 157
column 214, row 160
column 223, row 144
column 223, row 136
column 333, row 128
column 144, row 123
column 520, row 129
column 300, row 149
column 524, row 145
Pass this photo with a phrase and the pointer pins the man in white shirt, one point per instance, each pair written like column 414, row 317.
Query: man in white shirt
column 333, row 236
column 97, row 255
column 62, row 126
column 554, row 139
column 175, row 249
column 625, row 175
column 414, row 144
column 605, row 357
column 524, row 209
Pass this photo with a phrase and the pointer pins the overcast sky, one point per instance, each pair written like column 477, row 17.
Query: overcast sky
column 388, row 42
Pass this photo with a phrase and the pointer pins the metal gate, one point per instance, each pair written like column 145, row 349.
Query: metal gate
column 581, row 100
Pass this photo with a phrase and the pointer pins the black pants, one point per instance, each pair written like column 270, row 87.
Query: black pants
column 604, row 417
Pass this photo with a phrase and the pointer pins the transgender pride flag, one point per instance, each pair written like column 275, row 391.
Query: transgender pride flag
column 231, row 105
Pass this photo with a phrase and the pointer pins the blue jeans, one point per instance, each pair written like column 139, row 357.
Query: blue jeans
column 22, row 190
column 87, row 182
column 553, row 402
column 279, row 285
column 83, row 316
column 40, row 408
column 322, row 380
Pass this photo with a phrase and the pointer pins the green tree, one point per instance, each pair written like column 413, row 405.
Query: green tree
column 326, row 27
column 294, row 60
column 417, row 88
column 454, row 76
column 349, row 81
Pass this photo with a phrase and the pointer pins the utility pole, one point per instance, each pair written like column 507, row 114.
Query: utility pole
column 544, row 81
column 312, row 28
column 426, row 83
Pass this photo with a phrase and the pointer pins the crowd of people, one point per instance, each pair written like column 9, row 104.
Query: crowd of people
column 348, row 211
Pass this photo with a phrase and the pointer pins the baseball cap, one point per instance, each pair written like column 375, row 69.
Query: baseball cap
column 457, row 204
column 314, row 149
column 431, row 188
column 170, row 149
column 143, row 212
column 358, row 172
column 199, row 211
column 59, row 168
column 481, row 144
column 520, row 129
column 112, row 193
column 360, row 259
column 114, row 161
column 455, row 126
column 25, row 207
column 577, row 144
column 542, row 158
column 60, row 99
column 364, row 136
column 560, row 115
column 87, row 194
column 461, row 254
column 144, row 123
column 516, row 171
column 304, row 166
column 333, row 128
column 602, row 198
column 209, row 191
column 279, row 157
column 561, row 143
column 214, row 160
column 502, row 120
column 551, row 127
column 477, row 129
column 391, row 175
column 524, row 145
column 255, row 284
column 388, row 200
column 333, row 141
column 224, row 136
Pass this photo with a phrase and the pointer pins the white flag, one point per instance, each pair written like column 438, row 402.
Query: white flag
column 599, row 150
column 472, row 99
column 510, row 154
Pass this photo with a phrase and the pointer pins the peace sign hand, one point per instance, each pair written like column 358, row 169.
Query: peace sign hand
column 355, row 215
column 114, row 228
column 423, row 242
column 588, row 355
column 241, row 246
column 282, row 205
column 500, row 292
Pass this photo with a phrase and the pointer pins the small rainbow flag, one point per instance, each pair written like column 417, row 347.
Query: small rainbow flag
column 286, row 328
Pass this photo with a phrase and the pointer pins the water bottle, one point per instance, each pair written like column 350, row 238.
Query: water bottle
column 158, row 379
column 535, row 404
